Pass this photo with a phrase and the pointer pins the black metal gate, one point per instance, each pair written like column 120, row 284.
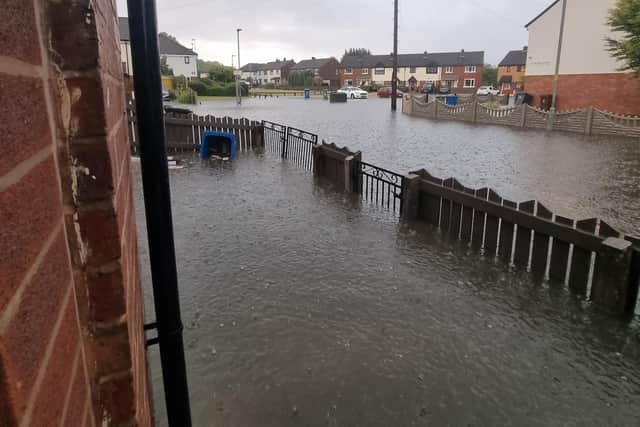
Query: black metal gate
column 379, row 186
column 290, row 143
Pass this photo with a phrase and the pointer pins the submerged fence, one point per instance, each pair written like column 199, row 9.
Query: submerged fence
column 589, row 256
column 289, row 143
column 589, row 121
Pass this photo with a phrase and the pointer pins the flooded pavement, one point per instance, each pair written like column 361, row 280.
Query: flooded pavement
column 573, row 175
column 304, row 308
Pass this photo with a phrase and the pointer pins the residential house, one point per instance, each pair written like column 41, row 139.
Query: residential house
column 511, row 71
column 460, row 71
column 589, row 76
column 323, row 69
column 182, row 60
column 276, row 72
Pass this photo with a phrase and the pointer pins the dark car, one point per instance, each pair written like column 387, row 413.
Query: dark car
column 428, row 88
column 385, row 92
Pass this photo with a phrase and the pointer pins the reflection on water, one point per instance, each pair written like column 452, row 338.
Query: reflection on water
column 302, row 307
column 573, row 175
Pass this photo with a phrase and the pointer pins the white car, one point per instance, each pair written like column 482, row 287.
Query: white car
column 354, row 92
column 487, row 90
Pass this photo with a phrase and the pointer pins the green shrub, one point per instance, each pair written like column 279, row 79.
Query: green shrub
column 185, row 96
column 200, row 87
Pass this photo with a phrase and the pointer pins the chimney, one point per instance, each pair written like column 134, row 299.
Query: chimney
column 461, row 50
column 525, row 49
column 313, row 57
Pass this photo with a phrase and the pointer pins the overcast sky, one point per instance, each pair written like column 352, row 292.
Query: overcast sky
column 301, row 29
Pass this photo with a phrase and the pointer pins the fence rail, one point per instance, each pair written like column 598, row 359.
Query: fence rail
column 184, row 131
column 379, row 186
column 290, row 143
column 587, row 121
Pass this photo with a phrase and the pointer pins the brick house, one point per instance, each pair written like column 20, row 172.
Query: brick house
column 461, row 71
column 511, row 71
column 589, row 76
column 275, row 72
column 323, row 69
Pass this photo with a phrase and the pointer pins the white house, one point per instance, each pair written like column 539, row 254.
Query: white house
column 183, row 61
column 589, row 75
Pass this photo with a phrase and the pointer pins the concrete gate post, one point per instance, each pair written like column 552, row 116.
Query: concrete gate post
column 612, row 282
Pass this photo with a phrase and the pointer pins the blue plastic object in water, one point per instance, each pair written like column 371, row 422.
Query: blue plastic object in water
column 307, row 93
column 222, row 144
column 451, row 100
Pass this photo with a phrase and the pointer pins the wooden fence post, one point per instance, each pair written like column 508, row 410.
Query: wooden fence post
column 523, row 120
column 475, row 111
column 612, row 284
column 350, row 162
column 589, row 125
column 435, row 109
column 410, row 197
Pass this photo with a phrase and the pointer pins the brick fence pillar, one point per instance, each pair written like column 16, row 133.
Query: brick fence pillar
column 411, row 197
column 612, row 282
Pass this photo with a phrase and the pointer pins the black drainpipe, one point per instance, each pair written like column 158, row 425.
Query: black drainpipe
column 157, row 201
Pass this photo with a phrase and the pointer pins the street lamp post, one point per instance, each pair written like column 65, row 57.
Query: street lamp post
column 232, row 58
column 238, row 97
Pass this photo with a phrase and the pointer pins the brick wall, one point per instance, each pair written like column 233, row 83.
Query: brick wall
column 71, row 317
column 617, row 93
column 356, row 76
column 517, row 78
column 459, row 71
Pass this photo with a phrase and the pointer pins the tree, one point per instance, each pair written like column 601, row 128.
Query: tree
column 165, row 70
column 625, row 18
column 221, row 73
column 356, row 51
column 169, row 36
column 490, row 75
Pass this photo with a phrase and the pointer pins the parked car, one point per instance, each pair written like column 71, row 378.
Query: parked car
column 354, row 92
column 428, row 88
column 385, row 92
column 487, row 90
column 444, row 89
column 165, row 94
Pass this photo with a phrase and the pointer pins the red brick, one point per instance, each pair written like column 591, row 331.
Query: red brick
column 114, row 100
column 7, row 408
column 106, row 296
column 94, row 172
column 117, row 399
column 18, row 32
column 99, row 230
column 617, row 93
column 87, row 109
column 73, row 34
column 23, row 121
column 30, row 210
column 110, row 351
column 28, row 333
column 77, row 398
column 49, row 403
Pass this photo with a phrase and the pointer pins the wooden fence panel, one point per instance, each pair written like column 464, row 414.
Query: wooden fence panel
column 560, row 253
column 467, row 217
column 540, row 250
column 491, row 229
column 478, row 221
column 581, row 259
column 430, row 204
column 523, row 237
column 507, row 229
column 445, row 209
column 456, row 212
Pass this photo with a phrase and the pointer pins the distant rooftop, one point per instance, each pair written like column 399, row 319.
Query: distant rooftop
column 416, row 59
column 166, row 45
column 311, row 63
column 514, row 58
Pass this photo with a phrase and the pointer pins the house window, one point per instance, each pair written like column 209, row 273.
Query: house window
column 412, row 69
column 454, row 84
column 270, row 72
column 470, row 69
column 379, row 71
column 448, row 69
column 519, row 68
column 508, row 68
column 469, row 82
column 187, row 59
column 506, row 86
column 348, row 70
column 432, row 70
column 365, row 71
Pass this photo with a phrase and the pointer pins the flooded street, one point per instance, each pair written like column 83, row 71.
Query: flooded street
column 573, row 175
column 302, row 307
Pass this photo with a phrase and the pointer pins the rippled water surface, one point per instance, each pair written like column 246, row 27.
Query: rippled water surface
column 303, row 307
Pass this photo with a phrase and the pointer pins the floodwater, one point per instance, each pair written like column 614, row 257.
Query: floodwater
column 304, row 307
column 573, row 175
